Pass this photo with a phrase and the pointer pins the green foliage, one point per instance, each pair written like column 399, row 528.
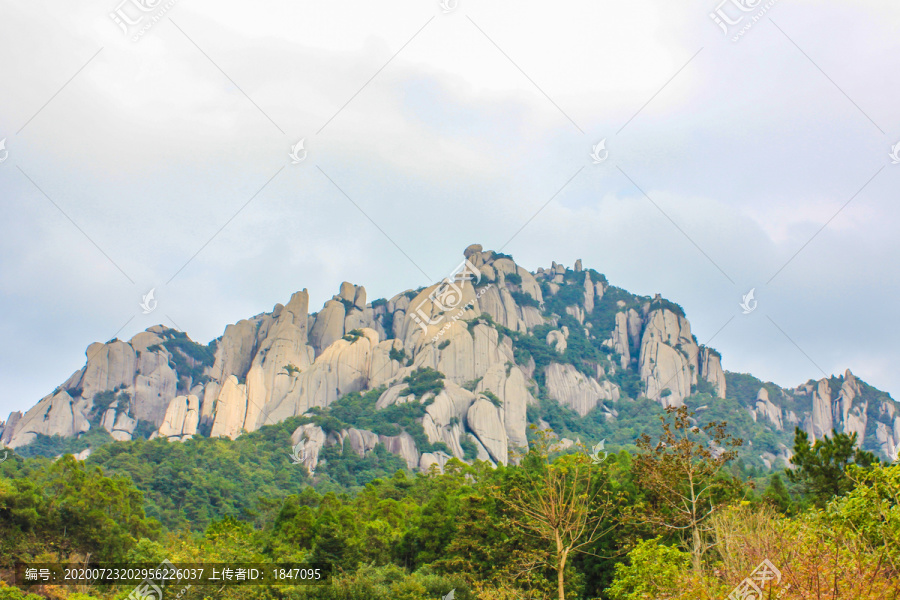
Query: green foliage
column 569, row 294
column 872, row 508
column 653, row 570
column 387, row 322
column 191, row 483
column 102, row 401
column 352, row 471
column 423, row 381
column 443, row 344
column 514, row 278
column 663, row 304
column 635, row 417
column 603, row 317
column 353, row 335
column 144, row 429
column 188, row 358
column 358, row 410
column 68, row 506
column 291, row 369
column 777, row 494
column 50, row 446
column 534, row 347
column 822, row 466
column 390, row 534
column 13, row 593
column 493, row 398
column 744, row 388
column 397, row 354
column 471, row 385
column 470, row 450
column 524, row 299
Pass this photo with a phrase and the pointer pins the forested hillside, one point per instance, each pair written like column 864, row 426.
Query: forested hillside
column 625, row 530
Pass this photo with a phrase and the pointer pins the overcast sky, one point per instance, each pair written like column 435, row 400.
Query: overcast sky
column 163, row 163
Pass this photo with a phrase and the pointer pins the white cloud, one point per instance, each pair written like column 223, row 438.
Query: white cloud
column 151, row 150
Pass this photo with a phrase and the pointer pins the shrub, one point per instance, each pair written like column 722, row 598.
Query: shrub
column 397, row 354
column 493, row 398
column 524, row 299
column 470, row 450
column 653, row 571
column 353, row 335
column 423, row 381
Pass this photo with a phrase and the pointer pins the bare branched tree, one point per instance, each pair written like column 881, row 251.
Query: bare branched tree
column 679, row 475
column 563, row 502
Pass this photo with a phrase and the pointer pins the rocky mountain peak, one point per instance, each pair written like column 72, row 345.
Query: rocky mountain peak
column 490, row 340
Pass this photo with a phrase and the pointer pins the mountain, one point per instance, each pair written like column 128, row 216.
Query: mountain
column 460, row 368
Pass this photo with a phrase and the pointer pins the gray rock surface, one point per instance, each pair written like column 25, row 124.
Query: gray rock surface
column 282, row 364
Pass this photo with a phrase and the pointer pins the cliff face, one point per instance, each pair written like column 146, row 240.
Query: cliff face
column 501, row 337
column 845, row 404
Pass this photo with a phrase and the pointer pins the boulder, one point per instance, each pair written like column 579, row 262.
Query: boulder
column 182, row 418
column 57, row 414
column 328, row 326
column 153, row 386
column 820, row 423
column 574, row 389
column 444, row 416
column 588, row 294
column 667, row 356
column 9, row 427
column 231, row 410
column 437, row 459
column 343, row 367
column 361, row 441
column 485, row 421
column 557, row 341
column 307, row 440
column 508, row 383
column 766, row 409
column 711, row 370
column 109, row 366
column 402, row 445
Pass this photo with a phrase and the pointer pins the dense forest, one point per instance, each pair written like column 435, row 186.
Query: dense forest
column 673, row 516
